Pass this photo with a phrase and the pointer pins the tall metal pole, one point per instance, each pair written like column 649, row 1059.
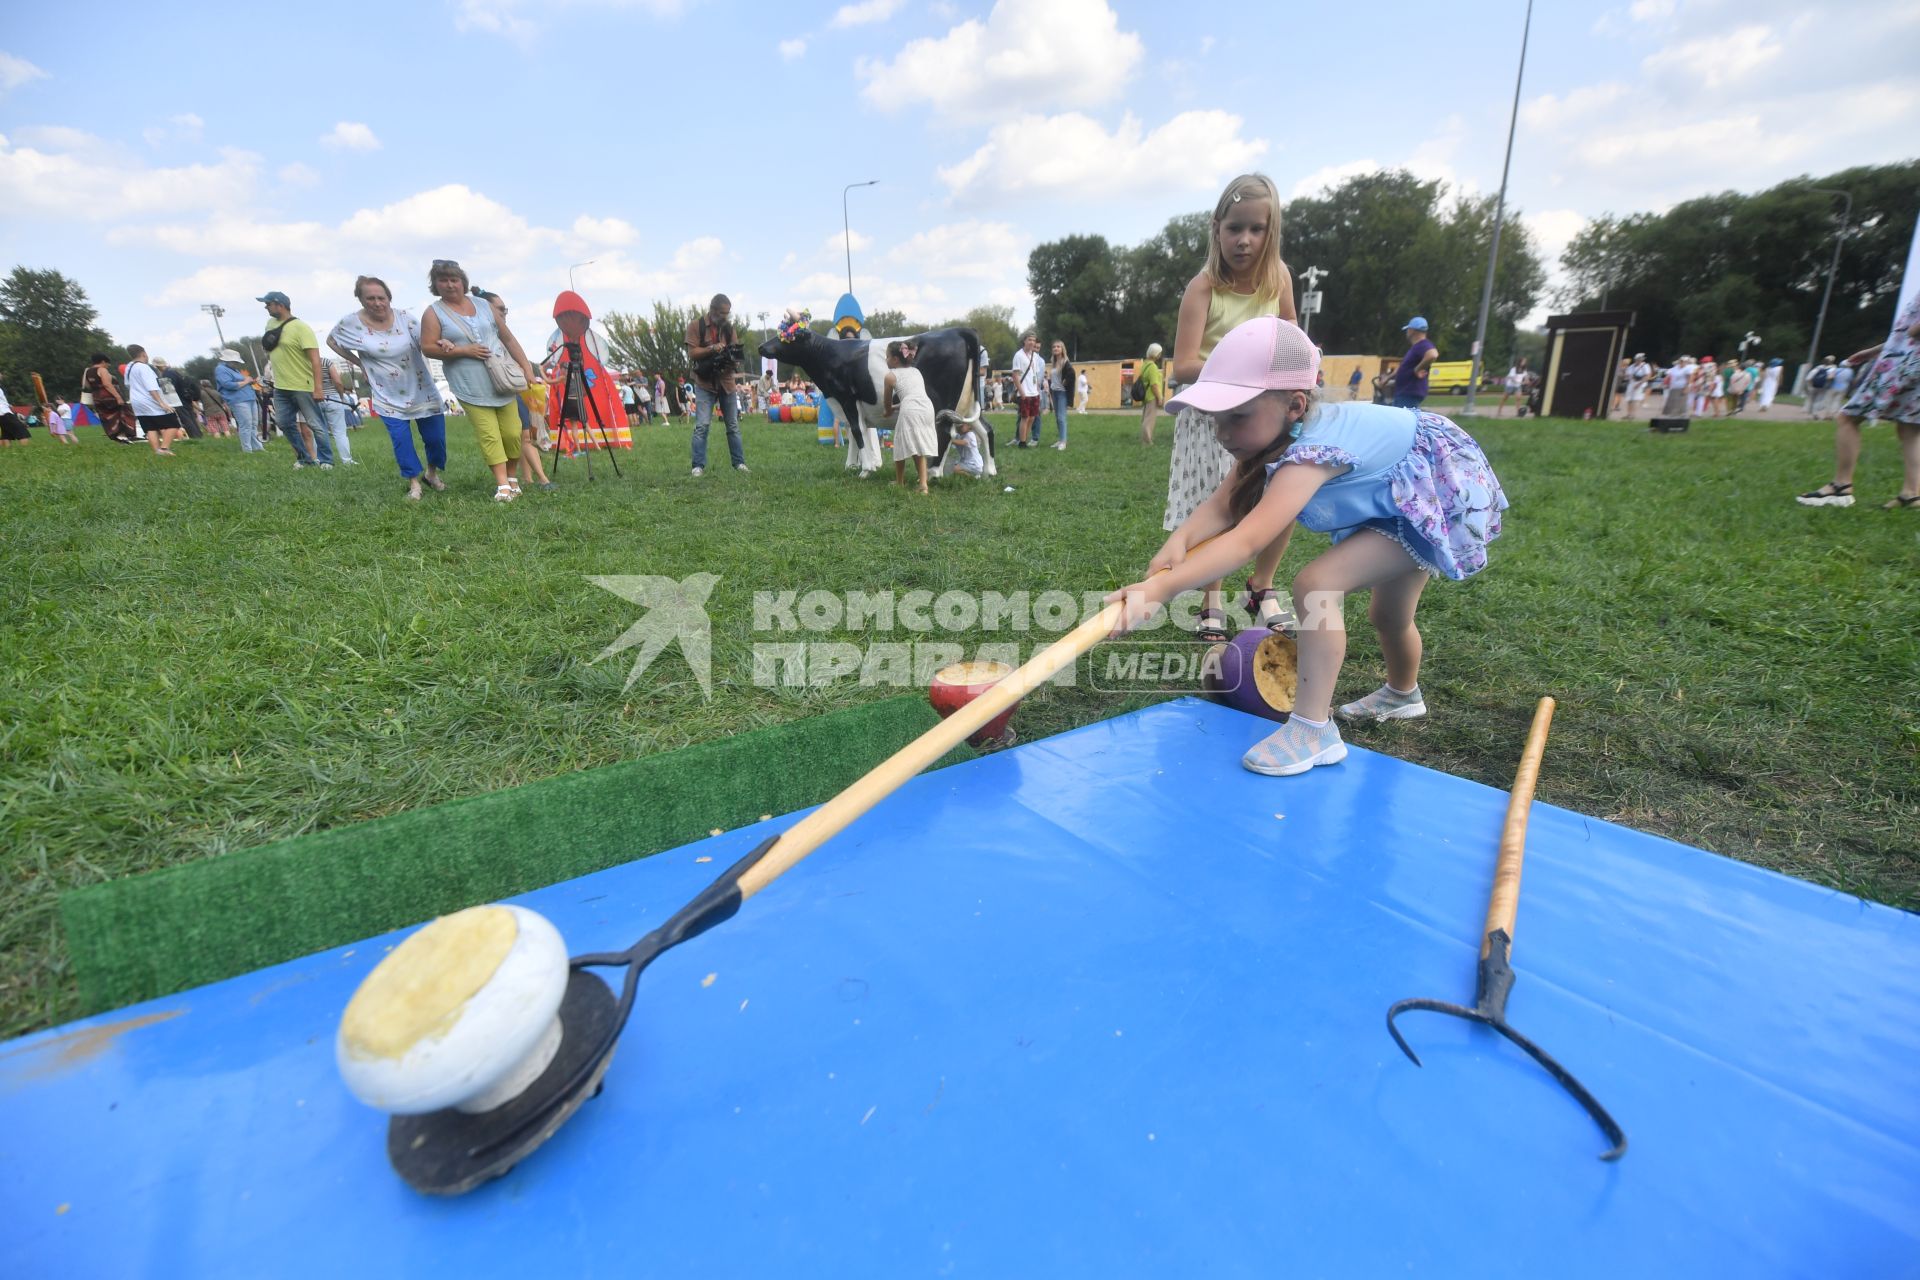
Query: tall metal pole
column 215, row 310
column 845, row 228
column 575, row 267
column 1499, row 213
column 1813, row 348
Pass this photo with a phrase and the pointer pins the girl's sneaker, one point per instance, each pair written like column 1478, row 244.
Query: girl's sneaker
column 1295, row 747
column 1387, row 703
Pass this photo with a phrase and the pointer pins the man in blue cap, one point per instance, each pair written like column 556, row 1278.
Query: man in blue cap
column 296, row 375
column 1410, row 379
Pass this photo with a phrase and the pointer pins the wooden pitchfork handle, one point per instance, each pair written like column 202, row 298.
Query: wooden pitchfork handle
column 1504, row 904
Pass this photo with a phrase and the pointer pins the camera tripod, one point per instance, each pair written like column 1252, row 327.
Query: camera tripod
column 573, row 400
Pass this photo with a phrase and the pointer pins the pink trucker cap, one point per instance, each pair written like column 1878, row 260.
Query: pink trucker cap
column 1264, row 354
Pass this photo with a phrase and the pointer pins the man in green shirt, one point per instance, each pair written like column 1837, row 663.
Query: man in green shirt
column 296, row 372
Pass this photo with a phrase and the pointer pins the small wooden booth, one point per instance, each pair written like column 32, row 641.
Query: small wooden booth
column 1583, row 356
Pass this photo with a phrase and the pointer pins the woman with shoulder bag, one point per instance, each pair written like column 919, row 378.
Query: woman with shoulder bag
column 482, row 361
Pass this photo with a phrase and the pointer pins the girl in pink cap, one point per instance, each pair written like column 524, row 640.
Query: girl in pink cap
column 1405, row 493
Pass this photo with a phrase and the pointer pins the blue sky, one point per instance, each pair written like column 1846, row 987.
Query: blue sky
column 207, row 154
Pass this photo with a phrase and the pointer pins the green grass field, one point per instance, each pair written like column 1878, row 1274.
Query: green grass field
column 214, row 652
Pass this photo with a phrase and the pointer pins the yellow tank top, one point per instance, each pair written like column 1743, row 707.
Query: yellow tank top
column 1227, row 310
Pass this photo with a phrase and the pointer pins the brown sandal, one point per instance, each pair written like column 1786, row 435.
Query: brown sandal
column 1901, row 503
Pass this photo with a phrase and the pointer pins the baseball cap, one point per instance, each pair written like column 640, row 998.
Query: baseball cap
column 1418, row 322
column 1264, row 354
column 275, row 296
column 228, row 353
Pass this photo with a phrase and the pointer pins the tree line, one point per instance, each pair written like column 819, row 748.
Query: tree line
column 1393, row 246
column 1702, row 275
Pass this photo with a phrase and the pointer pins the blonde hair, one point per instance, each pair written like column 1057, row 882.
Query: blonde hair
column 1269, row 273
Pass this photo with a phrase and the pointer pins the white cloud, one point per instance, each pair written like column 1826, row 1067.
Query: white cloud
column 1721, row 102
column 1550, row 111
column 1029, row 55
column 1332, row 176
column 229, row 236
column 613, row 232
column 185, row 127
column 858, row 15
column 972, row 249
column 524, row 21
column 60, row 137
column 298, row 175
column 701, row 252
column 1717, row 59
column 15, row 72
column 1553, row 230
column 922, row 302
column 350, row 135
column 1206, row 45
column 1073, row 153
column 87, row 180
column 791, row 49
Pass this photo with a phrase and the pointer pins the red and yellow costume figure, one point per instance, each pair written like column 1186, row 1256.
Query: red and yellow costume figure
column 571, row 314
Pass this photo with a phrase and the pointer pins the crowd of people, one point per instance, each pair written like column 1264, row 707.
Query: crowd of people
column 1697, row 388
column 1258, row 446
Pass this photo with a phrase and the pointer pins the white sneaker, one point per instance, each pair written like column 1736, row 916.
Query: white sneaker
column 326, row 466
column 1295, row 748
column 740, row 466
column 698, row 472
column 1386, row 703
column 1060, row 444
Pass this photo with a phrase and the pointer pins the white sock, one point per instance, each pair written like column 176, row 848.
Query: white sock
column 1311, row 724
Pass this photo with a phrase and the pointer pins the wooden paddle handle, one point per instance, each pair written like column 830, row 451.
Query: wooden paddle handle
column 1505, row 902
column 814, row 830
column 878, row 783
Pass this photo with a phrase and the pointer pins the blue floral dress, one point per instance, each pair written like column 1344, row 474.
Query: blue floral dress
column 1890, row 388
column 1411, row 475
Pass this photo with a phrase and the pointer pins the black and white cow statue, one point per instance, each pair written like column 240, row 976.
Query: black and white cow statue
column 851, row 373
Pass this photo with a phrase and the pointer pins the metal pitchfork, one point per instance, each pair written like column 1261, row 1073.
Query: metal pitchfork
column 1496, row 973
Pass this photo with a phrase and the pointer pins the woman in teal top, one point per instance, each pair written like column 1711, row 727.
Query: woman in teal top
column 1406, row 495
column 461, row 333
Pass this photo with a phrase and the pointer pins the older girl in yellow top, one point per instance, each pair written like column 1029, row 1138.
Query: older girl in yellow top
column 1244, row 278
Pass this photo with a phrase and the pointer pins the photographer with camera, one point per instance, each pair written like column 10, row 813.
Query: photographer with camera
column 716, row 352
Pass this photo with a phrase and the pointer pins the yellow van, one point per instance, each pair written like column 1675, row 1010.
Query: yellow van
column 1449, row 377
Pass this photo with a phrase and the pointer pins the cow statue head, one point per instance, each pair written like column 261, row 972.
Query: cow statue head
column 792, row 337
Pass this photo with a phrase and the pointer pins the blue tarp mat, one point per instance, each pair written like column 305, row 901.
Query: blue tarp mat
column 1102, row 1005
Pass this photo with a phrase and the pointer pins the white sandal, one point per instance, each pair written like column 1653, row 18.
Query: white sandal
column 505, row 493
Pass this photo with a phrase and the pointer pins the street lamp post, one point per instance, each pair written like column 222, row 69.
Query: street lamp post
column 215, row 310
column 1310, row 301
column 575, row 267
column 845, row 228
column 1846, row 215
column 1499, row 212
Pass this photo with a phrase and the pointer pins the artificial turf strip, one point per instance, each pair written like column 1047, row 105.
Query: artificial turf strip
column 144, row 936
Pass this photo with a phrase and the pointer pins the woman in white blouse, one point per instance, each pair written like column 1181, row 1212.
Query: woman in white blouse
column 386, row 345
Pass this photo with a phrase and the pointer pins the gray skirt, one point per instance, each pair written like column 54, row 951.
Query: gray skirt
column 1198, row 466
